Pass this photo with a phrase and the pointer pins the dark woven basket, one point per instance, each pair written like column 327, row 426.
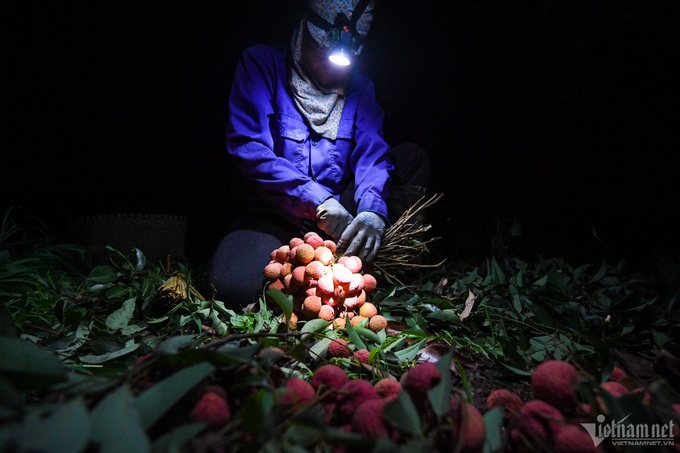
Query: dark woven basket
column 156, row 235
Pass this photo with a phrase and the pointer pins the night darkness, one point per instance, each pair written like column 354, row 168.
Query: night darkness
column 560, row 115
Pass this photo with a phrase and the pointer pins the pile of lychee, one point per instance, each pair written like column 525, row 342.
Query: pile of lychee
column 357, row 405
column 552, row 420
column 322, row 284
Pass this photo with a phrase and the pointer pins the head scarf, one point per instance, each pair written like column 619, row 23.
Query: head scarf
column 322, row 110
column 329, row 9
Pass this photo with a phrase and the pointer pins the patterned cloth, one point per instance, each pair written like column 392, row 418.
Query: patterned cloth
column 329, row 9
column 323, row 110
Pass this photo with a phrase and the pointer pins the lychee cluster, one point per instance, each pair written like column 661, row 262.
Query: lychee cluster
column 323, row 286
column 552, row 420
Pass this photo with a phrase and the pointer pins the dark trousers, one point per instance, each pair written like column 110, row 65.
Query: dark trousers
column 234, row 272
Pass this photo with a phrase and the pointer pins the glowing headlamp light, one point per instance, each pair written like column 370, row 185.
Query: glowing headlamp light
column 341, row 52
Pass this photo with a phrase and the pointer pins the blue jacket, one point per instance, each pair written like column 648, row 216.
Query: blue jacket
column 286, row 162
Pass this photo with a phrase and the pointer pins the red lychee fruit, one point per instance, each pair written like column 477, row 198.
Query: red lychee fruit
column 304, row 253
column 370, row 283
column 298, row 391
column 368, row 310
column 554, row 382
column 332, row 246
column 356, row 320
column 388, row 388
column 315, row 270
column 377, row 323
column 327, row 313
column 615, row 389
column 338, row 348
column 617, row 374
column 469, row 429
column 369, row 419
column 311, row 306
column 282, row 253
column 354, row 264
column 211, row 408
column 341, row 275
column 356, row 284
column 272, row 271
column 351, row 395
column 294, row 242
column 323, row 255
column 362, row 355
column 505, row 398
column 329, row 377
column 538, row 419
column 574, row 439
column 421, row 378
column 325, row 284
column 313, row 239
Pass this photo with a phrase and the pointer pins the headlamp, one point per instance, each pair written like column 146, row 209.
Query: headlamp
column 342, row 37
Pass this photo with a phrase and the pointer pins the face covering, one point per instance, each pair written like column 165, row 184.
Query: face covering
column 322, row 110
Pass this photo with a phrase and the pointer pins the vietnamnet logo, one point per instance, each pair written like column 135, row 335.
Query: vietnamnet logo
column 629, row 434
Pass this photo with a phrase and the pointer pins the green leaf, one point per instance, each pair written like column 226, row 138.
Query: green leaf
column 103, row 274
column 319, row 348
column 116, row 424
column 175, row 439
column 97, row 359
column 155, row 401
column 27, row 367
column 368, row 334
column 172, row 345
column 599, row 275
column 440, row 395
column 313, row 326
column 121, row 317
column 409, row 353
column 283, row 301
column 353, row 336
column 141, row 260
column 57, row 429
column 402, row 413
column 493, row 424
column 256, row 410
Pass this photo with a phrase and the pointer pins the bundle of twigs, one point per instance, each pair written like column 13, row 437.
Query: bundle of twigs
column 403, row 243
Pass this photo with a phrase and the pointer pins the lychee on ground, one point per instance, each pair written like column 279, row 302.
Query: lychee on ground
column 351, row 395
column 369, row 419
column 540, row 420
column 362, row 355
column 509, row 400
column 338, row 347
column 212, row 408
column 377, row 323
column 574, row 439
column 329, row 377
column 388, row 388
column 554, row 382
column 469, row 430
column 298, row 391
column 421, row 378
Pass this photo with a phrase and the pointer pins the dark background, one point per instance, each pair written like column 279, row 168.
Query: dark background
column 559, row 116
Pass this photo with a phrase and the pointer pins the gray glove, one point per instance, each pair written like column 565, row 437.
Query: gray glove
column 363, row 236
column 333, row 218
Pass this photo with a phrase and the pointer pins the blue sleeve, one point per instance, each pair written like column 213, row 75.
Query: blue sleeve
column 370, row 158
column 250, row 141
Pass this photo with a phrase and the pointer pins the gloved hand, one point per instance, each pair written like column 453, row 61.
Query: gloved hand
column 363, row 236
column 333, row 218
